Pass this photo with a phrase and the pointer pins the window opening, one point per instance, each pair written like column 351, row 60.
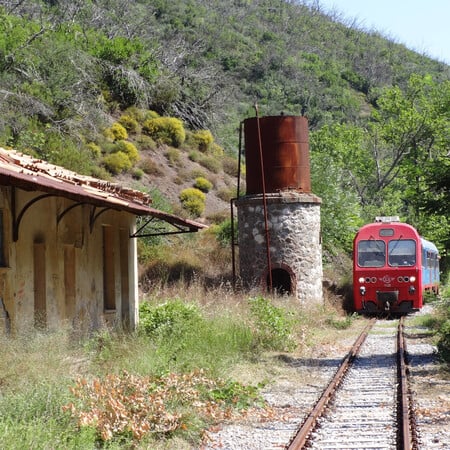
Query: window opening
column 402, row 253
column 371, row 253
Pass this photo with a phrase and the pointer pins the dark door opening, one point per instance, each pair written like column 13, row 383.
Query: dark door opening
column 281, row 282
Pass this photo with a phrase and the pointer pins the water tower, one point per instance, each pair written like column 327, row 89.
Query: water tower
column 279, row 217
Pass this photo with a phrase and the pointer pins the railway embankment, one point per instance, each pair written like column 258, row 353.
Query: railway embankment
column 298, row 382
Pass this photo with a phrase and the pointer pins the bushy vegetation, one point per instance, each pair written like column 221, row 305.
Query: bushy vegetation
column 162, row 386
column 203, row 184
column 169, row 319
column 193, row 200
column 117, row 162
column 378, row 112
column 202, row 139
column 441, row 323
column 89, row 88
column 274, row 327
column 165, row 130
column 134, row 408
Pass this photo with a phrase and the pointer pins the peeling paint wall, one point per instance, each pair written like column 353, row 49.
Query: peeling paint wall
column 54, row 272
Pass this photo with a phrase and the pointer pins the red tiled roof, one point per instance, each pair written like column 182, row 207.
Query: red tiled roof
column 28, row 173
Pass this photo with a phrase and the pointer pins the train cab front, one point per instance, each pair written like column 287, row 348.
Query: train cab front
column 386, row 293
column 386, row 269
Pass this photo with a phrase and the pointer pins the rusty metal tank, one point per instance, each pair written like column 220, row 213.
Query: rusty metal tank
column 285, row 154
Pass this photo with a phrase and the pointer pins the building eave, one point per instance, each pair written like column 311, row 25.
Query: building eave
column 31, row 174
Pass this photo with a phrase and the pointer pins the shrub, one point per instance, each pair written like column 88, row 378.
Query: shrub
column 203, row 184
column 100, row 172
column 117, row 162
column 169, row 318
column 195, row 155
column 145, row 142
column 182, row 176
column 138, row 174
column 202, row 139
column 166, row 130
column 94, row 149
column 193, row 200
column 125, row 409
column 129, row 149
column 226, row 194
column 443, row 344
column 197, row 172
column 230, row 166
column 150, row 167
column 273, row 326
column 137, row 114
column 216, row 150
column 129, row 123
column 223, row 233
column 173, row 156
column 118, row 131
column 211, row 163
column 149, row 114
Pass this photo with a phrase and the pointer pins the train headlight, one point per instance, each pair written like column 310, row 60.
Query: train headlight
column 361, row 279
column 412, row 290
column 362, row 290
column 412, row 279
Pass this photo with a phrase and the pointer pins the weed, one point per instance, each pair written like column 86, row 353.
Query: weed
column 173, row 156
column 274, row 326
column 340, row 323
column 211, row 163
column 172, row 317
column 150, row 167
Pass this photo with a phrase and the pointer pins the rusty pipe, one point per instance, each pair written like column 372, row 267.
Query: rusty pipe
column 263, row 182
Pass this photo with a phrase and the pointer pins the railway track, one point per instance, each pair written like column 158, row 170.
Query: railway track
column 367, row 404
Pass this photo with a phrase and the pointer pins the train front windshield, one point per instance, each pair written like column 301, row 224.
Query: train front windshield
column 401, row 252
column 371, row 253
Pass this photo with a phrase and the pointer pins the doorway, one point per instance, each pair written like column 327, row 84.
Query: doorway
column 281, row 281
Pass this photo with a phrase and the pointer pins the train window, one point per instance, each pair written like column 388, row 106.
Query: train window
column 386, row 232
column 371, row 253
column 402, row 252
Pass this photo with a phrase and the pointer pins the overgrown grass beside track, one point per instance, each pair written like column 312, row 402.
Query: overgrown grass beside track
column 159, row 387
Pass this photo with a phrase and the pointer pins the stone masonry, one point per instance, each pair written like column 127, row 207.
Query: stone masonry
column 294, row 236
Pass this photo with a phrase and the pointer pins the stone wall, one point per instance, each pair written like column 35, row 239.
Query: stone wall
column 294, row 236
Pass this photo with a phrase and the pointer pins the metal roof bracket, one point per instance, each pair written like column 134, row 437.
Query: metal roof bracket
column 160, row 231
column 94, row 216
column 17, row 218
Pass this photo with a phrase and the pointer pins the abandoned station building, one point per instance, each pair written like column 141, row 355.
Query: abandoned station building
column 68, row 253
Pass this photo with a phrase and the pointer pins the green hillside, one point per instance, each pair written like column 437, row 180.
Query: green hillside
column 378, row 112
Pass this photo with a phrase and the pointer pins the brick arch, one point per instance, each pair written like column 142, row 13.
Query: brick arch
column 283, row 279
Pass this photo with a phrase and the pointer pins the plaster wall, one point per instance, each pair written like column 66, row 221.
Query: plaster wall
column 69, row 242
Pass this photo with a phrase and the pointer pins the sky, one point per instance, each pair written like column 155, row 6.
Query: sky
column 423, row 26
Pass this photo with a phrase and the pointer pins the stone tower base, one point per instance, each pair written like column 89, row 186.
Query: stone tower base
column 295, row 243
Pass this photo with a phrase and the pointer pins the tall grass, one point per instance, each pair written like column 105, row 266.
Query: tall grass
column 35, row 374
column 215, row 331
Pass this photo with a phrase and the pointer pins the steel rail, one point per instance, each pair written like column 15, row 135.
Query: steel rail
column 300, row 438
column 407, row 431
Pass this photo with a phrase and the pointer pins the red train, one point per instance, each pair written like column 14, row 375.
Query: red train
column 392, row 267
